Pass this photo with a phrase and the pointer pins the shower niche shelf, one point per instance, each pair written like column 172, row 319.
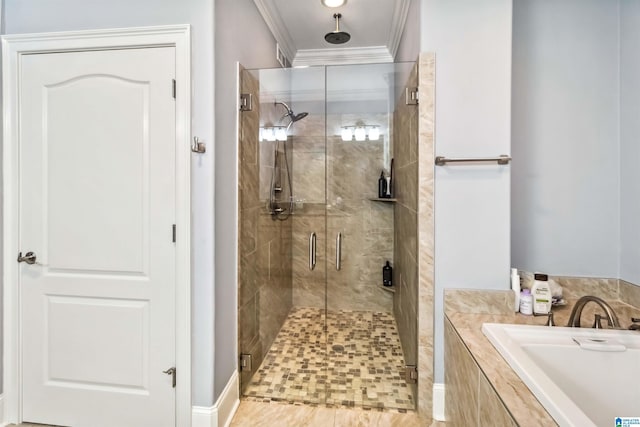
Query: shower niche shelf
column 383, row 199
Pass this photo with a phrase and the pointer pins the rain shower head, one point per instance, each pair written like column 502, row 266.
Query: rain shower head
column 292, row 116
column 337, row 36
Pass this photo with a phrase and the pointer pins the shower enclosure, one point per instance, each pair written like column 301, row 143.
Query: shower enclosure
column 315, row 322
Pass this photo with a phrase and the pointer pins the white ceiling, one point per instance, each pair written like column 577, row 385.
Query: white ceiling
column 299, row 27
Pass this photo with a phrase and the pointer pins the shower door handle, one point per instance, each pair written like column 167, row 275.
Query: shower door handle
column 312, row 251
column 339, row 251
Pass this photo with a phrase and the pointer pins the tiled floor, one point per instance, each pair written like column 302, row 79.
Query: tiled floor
column 261, row 414
column 364, row 366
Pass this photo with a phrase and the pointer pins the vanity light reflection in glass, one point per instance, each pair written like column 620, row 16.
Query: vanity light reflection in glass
column 273, row 133
column 360, row 133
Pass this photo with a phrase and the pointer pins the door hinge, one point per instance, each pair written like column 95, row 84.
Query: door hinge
column 173, row 233
column 411, row 374
column 171, row 371
column 173, row 88
column 411, row 95
column 246, row 102
column 245, row 362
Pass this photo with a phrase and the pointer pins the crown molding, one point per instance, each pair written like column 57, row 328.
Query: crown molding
column 334, row 56
column 342, row 56
column 400, row 14
column 273, row 20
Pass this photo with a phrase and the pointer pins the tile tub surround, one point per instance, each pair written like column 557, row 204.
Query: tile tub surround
column 467, row 310
column 359, row 363
column 470, row 398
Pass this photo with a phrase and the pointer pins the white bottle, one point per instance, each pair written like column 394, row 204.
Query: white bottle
column 541, row 294
column 515, row 285
column 526, row 302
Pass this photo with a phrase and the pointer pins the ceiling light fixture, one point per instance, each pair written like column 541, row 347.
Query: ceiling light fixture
column 333, row 3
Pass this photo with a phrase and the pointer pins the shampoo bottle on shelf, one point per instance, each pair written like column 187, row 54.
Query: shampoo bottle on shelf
column 541, row 294
column 387, row 274
column 382, row 186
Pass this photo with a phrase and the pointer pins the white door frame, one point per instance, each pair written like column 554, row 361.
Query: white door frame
column 13, row 47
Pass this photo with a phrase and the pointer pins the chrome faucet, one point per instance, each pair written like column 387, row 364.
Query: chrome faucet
column 574, row 318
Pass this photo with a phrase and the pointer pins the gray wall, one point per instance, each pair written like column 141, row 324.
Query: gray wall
column 409, row 47
column 566, row 110
column 240, row 36
column 1, row 234
column 630, row 141
column 31, row 16
column 472, row 45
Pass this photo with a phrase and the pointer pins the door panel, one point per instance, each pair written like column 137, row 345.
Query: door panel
column 95, row 148
column 97, row 185
column 102, row 364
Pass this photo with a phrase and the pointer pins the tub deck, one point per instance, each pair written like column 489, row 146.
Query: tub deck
column 521, row 403
column 580, row 375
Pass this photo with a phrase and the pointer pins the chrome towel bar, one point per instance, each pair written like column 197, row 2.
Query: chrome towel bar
column 502, row 159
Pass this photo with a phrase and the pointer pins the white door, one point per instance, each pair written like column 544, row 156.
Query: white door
column 97, row 207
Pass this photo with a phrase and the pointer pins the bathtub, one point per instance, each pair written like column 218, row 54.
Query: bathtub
column 583, row 377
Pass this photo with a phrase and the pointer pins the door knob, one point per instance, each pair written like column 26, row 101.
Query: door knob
column 29, row 258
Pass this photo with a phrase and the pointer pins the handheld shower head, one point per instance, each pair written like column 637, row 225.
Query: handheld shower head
column 292, row 116
column 299, row 116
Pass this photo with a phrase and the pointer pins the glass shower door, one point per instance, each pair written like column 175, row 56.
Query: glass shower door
column 316, row 324
column 282, row 228
column 367, row 322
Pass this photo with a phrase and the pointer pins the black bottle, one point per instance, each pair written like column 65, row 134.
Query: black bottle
column 387, row 273
column 382, row 186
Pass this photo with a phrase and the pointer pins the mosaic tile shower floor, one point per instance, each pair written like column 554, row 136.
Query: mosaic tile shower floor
column 364, row 367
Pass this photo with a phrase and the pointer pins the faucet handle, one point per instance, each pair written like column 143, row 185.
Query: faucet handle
column 549, row 315
column 635, row 319
column 597, row 321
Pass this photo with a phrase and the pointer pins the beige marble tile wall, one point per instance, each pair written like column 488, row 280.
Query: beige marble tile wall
column 426, row 129
column 348, row 179
column 366, row 226
column 471, row 400
column 265, row 292
column 405, row 299
column 605, row 288
column 309, row 177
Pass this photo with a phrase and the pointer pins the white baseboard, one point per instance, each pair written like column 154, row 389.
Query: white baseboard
column 221, row 413
column 438, row 402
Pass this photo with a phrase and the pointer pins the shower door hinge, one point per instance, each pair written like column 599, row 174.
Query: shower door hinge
column 411, row 374
column 173, row 233
column 411, row 95
column 245, row 362
column 173, row 88
column 246, row 102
